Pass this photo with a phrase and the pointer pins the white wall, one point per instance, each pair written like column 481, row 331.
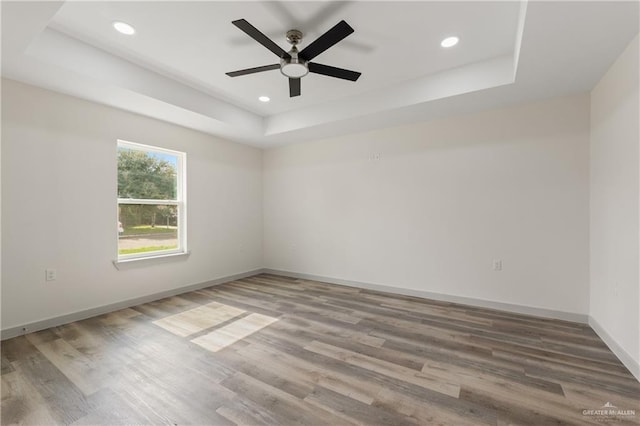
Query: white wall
column 615, row 194
column 59, row 205
column 443, row 200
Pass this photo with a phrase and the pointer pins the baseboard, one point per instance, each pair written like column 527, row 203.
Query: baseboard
column 8, row 333
column 499, row 306
column 632, row 365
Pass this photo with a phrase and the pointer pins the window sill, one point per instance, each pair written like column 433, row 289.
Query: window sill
column 151, row 260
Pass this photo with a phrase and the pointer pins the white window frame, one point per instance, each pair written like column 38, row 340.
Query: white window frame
column 180, row 202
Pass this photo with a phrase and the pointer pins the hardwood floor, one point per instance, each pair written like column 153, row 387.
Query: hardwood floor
column 273, row 350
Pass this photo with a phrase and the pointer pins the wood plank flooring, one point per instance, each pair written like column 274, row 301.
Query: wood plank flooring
column 269, row 350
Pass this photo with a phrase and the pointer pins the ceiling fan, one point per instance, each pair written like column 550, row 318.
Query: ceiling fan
column 296, row 64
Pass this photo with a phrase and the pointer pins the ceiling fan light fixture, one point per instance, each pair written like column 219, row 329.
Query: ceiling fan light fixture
column 124, row 28
column 294, row 69
column 293, row 64
column 449, row 42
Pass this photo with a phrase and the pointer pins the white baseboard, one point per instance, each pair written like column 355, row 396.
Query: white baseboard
column 10, row 332
column 632, row 364
column 499, row 306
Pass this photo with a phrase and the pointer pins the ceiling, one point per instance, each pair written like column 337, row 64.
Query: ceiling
column 174, row 67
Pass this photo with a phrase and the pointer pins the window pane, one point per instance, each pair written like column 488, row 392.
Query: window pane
column 145, row 228
column 146, row 174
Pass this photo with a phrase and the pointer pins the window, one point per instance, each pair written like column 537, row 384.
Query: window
column 151, row 201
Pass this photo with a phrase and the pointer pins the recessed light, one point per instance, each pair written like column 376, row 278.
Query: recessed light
column 264, row 99
column 124, row 28
column 449, row 41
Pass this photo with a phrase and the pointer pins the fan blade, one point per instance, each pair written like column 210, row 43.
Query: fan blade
column 326, row 40
column 255, row 34
column 333, row 71
column 253, row 70
column 294, row 87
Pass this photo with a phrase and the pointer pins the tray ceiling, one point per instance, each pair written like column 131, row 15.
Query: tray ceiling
column 174, row 67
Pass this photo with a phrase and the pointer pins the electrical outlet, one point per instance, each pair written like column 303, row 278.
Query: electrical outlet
column 497, row 264
column 374, row 157
column 50, row 275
